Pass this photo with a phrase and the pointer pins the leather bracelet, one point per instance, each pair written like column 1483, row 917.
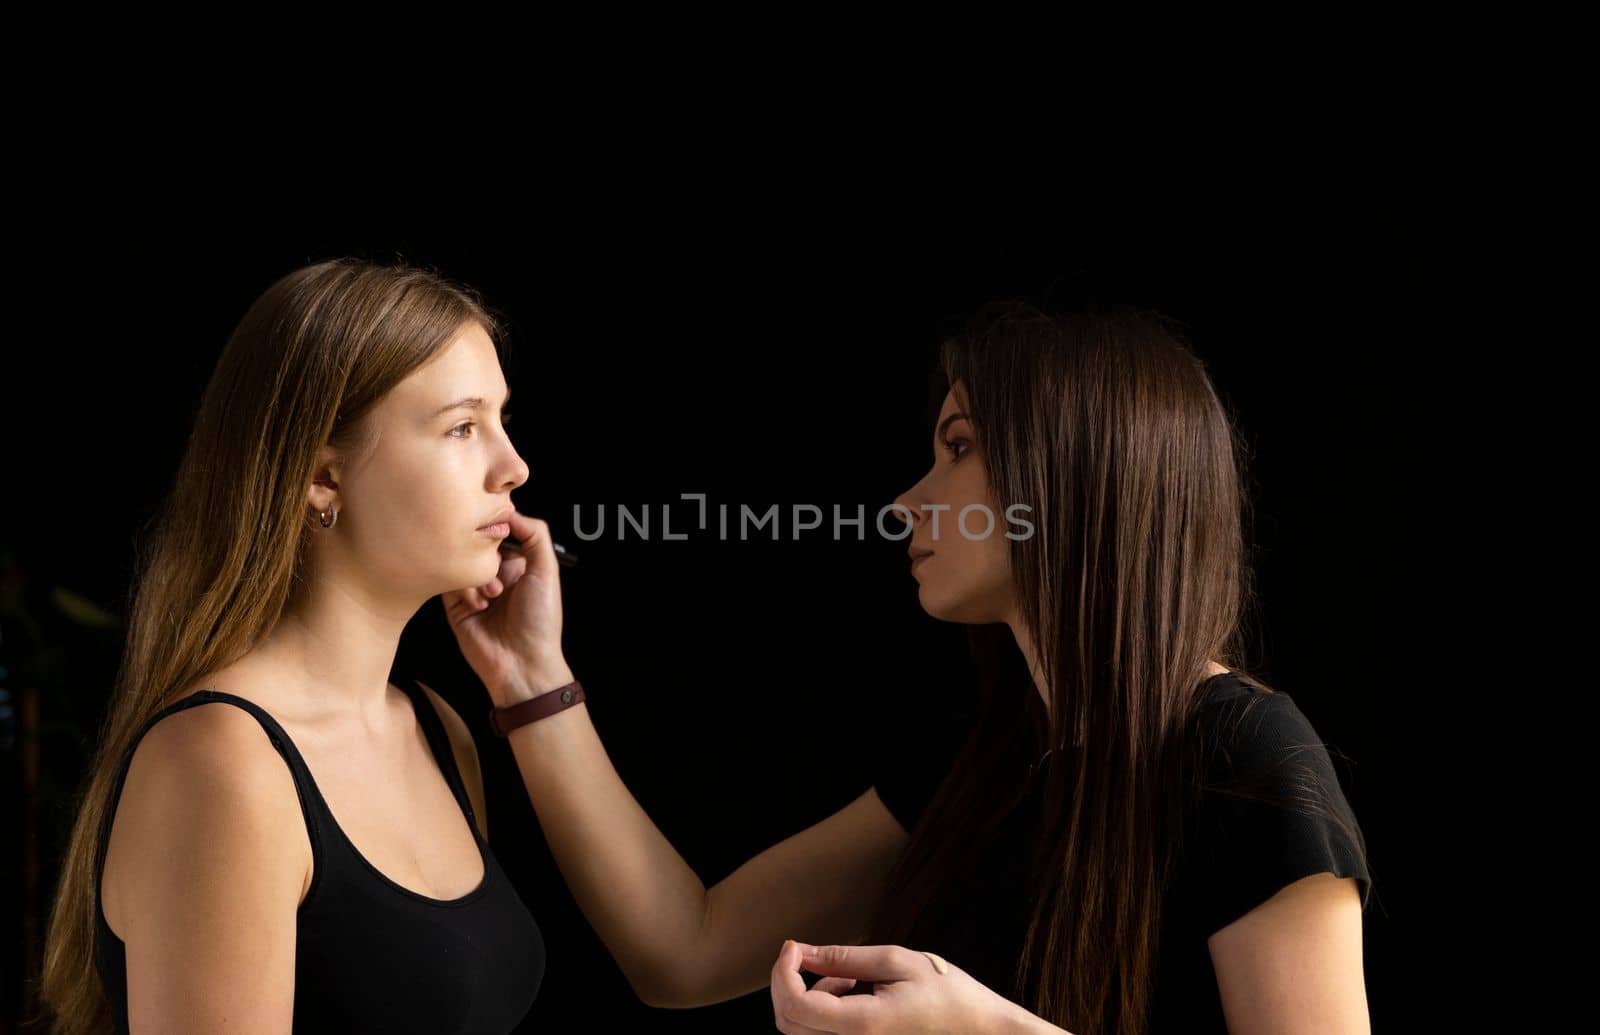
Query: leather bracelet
column 504, row 720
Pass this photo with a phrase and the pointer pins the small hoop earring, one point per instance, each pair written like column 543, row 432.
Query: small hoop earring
column 328, row 517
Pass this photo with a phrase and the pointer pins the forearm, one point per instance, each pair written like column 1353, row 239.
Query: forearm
column 646, row 904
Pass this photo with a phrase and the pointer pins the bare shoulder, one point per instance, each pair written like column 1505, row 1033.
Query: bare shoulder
column 210, row 757
column 207, row 865
column 229, row 743
column 204, row 782
column 465, row 750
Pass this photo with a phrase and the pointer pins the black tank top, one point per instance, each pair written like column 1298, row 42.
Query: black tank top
column 371, row 955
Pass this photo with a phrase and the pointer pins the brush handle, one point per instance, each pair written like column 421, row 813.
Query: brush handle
column 563, row 558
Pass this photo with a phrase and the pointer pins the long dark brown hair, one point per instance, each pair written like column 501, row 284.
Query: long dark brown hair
column 311, row 358
column 1107, row 424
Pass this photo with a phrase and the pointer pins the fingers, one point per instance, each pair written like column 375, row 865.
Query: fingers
column 799, row 1009
column 787, row 988
column 462, row 603
column 536, row 553
column 866, row 962
column 537, row 547
column 512, row 565
column 786, row 973
column 511, row 568
column 834, row 985
column 789, row 1027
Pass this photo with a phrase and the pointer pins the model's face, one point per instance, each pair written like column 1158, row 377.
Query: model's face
column 410, row 512
column 967, row 578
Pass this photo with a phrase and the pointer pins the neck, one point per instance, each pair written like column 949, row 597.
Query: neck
column 338, row 642
column 1025, row 643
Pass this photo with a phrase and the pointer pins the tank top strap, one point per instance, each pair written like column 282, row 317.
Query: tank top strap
column 304, row 785
column 439, row 742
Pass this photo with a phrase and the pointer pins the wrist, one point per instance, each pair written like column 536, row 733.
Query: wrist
column 527, row 684
column 1012, row 1019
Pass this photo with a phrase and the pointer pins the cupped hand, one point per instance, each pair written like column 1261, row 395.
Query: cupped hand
column 913, row 992
column 509, row 628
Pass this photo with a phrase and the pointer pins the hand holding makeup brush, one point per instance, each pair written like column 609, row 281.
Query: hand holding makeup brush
column 509, row 628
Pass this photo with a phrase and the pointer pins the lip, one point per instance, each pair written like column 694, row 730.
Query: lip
column 918, row 556
column 502, row 519
column 499, row 531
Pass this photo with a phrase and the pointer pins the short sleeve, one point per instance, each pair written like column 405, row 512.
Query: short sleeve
column 1271, row 811
column 913, row 761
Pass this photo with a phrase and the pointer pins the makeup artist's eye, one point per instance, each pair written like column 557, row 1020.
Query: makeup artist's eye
column 505, row 421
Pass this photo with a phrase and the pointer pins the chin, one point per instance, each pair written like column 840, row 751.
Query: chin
column 962, row 608
column 939, row 605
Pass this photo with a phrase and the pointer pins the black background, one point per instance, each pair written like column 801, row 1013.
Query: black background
column 726, row 269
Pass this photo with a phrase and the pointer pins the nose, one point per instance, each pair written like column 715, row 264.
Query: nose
column 519, row 471
column 906, row 506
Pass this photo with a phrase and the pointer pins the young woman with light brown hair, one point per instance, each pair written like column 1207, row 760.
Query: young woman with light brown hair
column 274, row 834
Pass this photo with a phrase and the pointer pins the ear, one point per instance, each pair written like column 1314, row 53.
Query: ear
column 324, row 489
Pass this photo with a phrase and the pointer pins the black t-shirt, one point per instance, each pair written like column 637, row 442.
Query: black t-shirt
column 1237, row 851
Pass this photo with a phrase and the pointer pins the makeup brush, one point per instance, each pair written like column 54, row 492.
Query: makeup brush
column 563, row 558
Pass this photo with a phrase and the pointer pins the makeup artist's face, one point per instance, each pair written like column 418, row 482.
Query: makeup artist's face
column 410, row 512
column 965, row 579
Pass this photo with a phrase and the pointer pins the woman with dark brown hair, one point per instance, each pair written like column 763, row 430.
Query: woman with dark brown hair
column 1133, row 836
column 273, row 834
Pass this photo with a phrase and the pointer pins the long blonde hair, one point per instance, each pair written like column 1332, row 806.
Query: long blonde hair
column 304, row 367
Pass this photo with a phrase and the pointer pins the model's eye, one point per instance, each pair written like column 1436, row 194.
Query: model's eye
column 505, row 421
column 951, row 445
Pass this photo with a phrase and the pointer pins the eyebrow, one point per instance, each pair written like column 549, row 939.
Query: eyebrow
column 471, row 402
column 958, row 415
